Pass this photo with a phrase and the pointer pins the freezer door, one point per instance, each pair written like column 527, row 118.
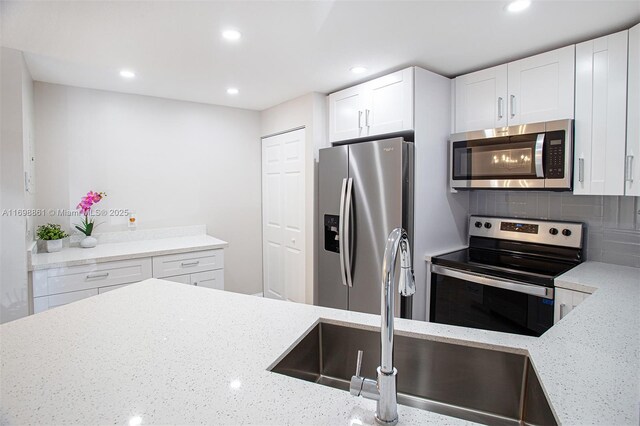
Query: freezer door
column 332, row 173
column 377, row 172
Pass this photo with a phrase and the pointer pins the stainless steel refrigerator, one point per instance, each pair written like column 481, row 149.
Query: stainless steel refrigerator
column 365, row 191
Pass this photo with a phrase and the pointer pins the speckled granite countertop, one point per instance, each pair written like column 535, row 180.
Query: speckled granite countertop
column 169, row 353
column 71, row 256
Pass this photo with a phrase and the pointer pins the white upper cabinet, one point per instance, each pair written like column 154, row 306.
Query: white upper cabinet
column 600, row 119
column 389, row 105
column 534, row 89
column 632, row 164
column 346, row 109
column 377, row 107
column 481, row 99
column 541, row 87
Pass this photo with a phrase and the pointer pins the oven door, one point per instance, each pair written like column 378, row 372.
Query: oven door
column 479, row 301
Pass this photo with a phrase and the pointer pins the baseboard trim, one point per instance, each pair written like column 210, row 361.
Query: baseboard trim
column 261, row 294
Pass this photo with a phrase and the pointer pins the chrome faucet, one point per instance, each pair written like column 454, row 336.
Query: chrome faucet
column 383, row 390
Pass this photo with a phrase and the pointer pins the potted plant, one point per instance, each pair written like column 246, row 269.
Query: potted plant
column 87, row 225
column 52, row 235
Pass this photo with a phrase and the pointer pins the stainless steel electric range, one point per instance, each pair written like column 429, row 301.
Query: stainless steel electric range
column 504, row 280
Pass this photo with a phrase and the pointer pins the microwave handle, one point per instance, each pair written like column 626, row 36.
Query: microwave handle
column 539, row 155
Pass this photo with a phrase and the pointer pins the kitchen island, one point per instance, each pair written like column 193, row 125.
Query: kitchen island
column 160, row 352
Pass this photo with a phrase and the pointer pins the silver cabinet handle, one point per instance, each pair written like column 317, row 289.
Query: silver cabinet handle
column 359, row 119
column 341, row 220
column 539, row 155
column 512, row 100
column 193, row 263
column 500, row 112
column 366, row 117
column 580, row 169
column 100, row 275
column 563, row 307
column 347, row 231
column 534, row 290
column 628, row 167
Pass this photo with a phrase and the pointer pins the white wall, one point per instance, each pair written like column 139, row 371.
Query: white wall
column 307, row 111
column 172, row 162
column 16, row 128
column 440, row 217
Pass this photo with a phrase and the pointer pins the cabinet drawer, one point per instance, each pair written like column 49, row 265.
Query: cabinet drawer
column 209, row 279
column 47, row 302
column 182, row 279
column 75, row 278
column 187, row 263
column 112, row 287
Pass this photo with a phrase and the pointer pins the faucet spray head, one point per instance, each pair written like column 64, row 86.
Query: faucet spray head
column 407, row 282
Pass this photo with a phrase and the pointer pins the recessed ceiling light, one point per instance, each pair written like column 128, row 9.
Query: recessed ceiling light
column 232, row 91
column 518, row 5
column 127, row 74
column 358, row 70
column 231, row 35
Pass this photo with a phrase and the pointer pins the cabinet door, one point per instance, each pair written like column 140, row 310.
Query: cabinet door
column 209, row 279
column 83, row 277
column 102, row 290
column 346, row 114
column 632, row 178
column 389, row 103
column 182, row 279
column 481, row 100
column 171, row 265
column 566, row 301
column 600, row 125
column 48, row 302
column 541, row 87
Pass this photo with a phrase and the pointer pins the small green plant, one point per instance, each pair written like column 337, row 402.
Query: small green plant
column 50, row 231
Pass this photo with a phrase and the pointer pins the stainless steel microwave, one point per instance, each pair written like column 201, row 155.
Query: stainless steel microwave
column 529, row 156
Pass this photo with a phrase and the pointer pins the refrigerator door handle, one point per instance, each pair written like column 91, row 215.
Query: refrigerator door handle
column 341, row 228
column 347, row 232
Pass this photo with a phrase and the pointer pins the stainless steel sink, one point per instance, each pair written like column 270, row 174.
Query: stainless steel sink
column 475, row 384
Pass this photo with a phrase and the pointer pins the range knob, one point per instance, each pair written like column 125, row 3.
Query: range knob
column 487, row 225
column 553, row 231
column 566, row 232
column 478, row 224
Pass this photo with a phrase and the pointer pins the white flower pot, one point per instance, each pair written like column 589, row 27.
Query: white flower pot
column 53, row 245
column 88, row 242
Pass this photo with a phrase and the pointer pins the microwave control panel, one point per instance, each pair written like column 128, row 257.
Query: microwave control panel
column 555, row 155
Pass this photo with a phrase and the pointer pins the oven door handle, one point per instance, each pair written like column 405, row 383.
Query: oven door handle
column 533, row 290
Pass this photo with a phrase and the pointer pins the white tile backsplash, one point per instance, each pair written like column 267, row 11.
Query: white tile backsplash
column 613, row 223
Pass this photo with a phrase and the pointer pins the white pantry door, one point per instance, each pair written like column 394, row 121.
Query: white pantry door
column 283, row 229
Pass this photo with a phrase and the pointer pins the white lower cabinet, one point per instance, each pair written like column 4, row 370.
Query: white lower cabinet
column 58, row 286
column 111, row 287
column 182, row 279
column 566, row 301
column 208, row 279
column 47, row 302
column 171, row 265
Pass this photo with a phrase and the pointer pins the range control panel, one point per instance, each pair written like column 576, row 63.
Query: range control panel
column 565, row 234
column 527, row 228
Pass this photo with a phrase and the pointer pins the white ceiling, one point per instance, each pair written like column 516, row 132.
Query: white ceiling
column 288, row 48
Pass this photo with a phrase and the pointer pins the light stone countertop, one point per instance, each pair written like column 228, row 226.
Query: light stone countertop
column 170, row 353
column 72, row 256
